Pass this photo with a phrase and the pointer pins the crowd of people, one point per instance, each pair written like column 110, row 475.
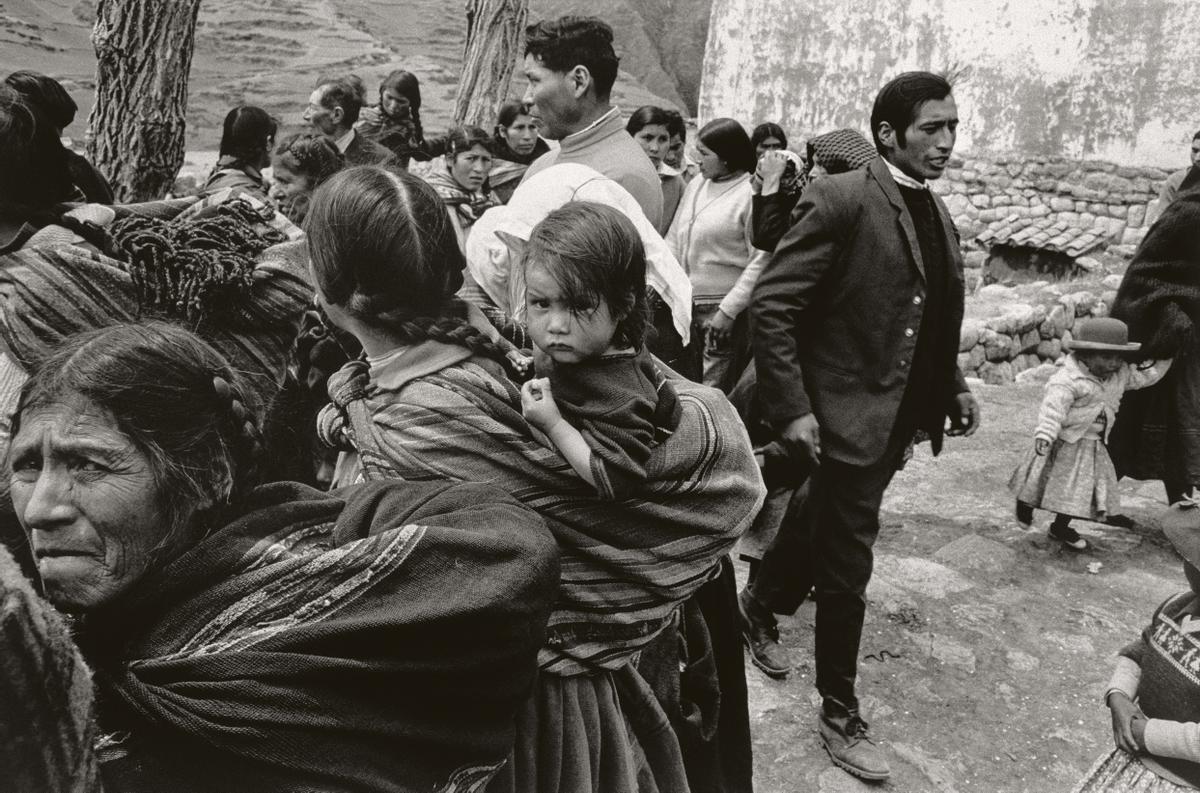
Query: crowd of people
column 394, row 462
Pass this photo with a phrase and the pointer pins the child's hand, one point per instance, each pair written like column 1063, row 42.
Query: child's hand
column 1124, row 712
column 538, row 405
column 522, row 362
column 1041, row 446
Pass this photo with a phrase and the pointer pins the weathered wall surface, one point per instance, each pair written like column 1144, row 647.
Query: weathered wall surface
column 1097, row 79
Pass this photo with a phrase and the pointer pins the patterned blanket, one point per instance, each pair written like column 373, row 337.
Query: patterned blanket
column 435, row 413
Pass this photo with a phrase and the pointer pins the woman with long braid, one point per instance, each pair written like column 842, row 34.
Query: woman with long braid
column 434, row 400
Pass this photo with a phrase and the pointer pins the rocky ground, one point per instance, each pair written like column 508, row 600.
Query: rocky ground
column 986, row 648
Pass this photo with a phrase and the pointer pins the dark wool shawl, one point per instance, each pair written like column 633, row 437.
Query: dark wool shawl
column 1159, row 298
column 378, row 638
column 623, row 406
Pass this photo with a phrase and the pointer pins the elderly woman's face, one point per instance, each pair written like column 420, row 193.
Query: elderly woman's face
column 86, row 497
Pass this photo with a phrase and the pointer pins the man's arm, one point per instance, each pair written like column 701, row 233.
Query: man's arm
column 782, row 297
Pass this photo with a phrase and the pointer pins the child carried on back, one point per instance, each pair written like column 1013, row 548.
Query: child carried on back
column 1068, row 471
column 598, row 396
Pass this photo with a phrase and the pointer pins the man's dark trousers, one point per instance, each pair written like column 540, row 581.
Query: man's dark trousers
column 827, row 548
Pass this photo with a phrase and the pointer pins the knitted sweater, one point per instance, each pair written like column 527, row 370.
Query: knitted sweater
column 1160, row 670
column 710, row 237
column 1075, row 398
column 608, row 148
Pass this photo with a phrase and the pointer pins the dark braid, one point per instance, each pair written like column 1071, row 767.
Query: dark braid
column 451, row 327
column 245, row 437
column 194, row 269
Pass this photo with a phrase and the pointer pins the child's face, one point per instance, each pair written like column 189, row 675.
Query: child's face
column 565, row 332
column 1103, row 364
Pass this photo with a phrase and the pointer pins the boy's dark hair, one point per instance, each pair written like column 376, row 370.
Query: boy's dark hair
column 46, row 95
column 728, row 140
column 645, row 116
column 676, row 125
column 248, row 131
column 571, row 41
column 768, row 129
column 900, row 100
column 595, row 255
column 340, row 93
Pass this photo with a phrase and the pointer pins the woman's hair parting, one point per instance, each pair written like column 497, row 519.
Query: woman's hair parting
column 309, row 155
column 595, row 255
column 768, row 129
column 510, row 111
column 248, row 132
column 728, row 140
column 192, row 270
column 407, row 85
column 462, row 139
column 46, row 94
column 383, row 249
column 173, row 395
column 646, row 115
column 33, row 162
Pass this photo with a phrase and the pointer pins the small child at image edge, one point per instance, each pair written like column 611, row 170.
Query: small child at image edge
column 1068, row 471
column 599, row 397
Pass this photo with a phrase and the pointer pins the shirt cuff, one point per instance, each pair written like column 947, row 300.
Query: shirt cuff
column 1125, row 679
column 1177, row 739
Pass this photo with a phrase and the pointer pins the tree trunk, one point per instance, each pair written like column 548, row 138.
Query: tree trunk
column 143, row 57
column 495, row 29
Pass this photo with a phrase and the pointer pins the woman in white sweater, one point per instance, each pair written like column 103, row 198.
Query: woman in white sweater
column 710, row 236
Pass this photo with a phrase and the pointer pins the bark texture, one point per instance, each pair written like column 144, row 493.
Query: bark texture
column 143, row 57
column 495, row 30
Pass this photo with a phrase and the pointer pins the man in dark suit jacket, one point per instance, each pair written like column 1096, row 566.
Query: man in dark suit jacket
column 857, row 321
column 332, row 110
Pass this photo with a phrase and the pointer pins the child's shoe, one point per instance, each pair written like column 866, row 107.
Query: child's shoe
column 1068, row 536
column 1024, row 514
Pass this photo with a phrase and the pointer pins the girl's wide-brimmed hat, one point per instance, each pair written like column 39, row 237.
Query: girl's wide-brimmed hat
column 1104, row 334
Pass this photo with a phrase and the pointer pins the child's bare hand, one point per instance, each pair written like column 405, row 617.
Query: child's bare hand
column 537, row 404
column 1041, row 446
column 521, row 362
column 1124, row 711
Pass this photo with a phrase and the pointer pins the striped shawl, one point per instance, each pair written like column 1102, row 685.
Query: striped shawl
column 435, row 413
column 377, row 638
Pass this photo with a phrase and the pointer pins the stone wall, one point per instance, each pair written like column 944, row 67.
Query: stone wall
column 1026, row 337
column 982, row 189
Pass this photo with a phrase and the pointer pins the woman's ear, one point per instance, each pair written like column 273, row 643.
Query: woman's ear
column 516, row 246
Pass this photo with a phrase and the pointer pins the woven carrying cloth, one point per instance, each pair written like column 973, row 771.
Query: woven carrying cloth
column 626, row 564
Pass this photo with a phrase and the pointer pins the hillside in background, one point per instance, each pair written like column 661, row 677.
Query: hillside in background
column 270, row 52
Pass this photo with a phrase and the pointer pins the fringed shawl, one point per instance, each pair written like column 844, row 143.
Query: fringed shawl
column 379, row 638
column 626, row 564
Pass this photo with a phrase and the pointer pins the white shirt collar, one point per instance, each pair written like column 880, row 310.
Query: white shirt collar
column 612, row 111
column 344, row 142
column 902, row 178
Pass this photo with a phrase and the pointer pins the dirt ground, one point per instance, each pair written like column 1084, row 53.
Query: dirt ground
column 986, row 648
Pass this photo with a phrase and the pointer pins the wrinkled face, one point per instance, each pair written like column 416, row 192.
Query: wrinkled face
column 674, row 157
column 655, row 141
column 471, row 168
column 1196, row 152
column 87, row 499
column 323, row 120
column 287, row 183
column 768, row 144
column 554, row 98
column 711, row 165
column 928, row 141
column 567, row 333
column 522, row 134
column 394, row 104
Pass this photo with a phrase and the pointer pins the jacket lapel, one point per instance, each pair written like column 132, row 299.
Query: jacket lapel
column 878, row 169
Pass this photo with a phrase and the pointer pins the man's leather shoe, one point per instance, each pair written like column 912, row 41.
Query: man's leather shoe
column 761, row 633
column 850, row 747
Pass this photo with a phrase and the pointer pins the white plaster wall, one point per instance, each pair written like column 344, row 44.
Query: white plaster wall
column 1117, row 80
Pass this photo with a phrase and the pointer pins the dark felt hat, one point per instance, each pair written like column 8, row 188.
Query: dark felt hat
column 1104, row 334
